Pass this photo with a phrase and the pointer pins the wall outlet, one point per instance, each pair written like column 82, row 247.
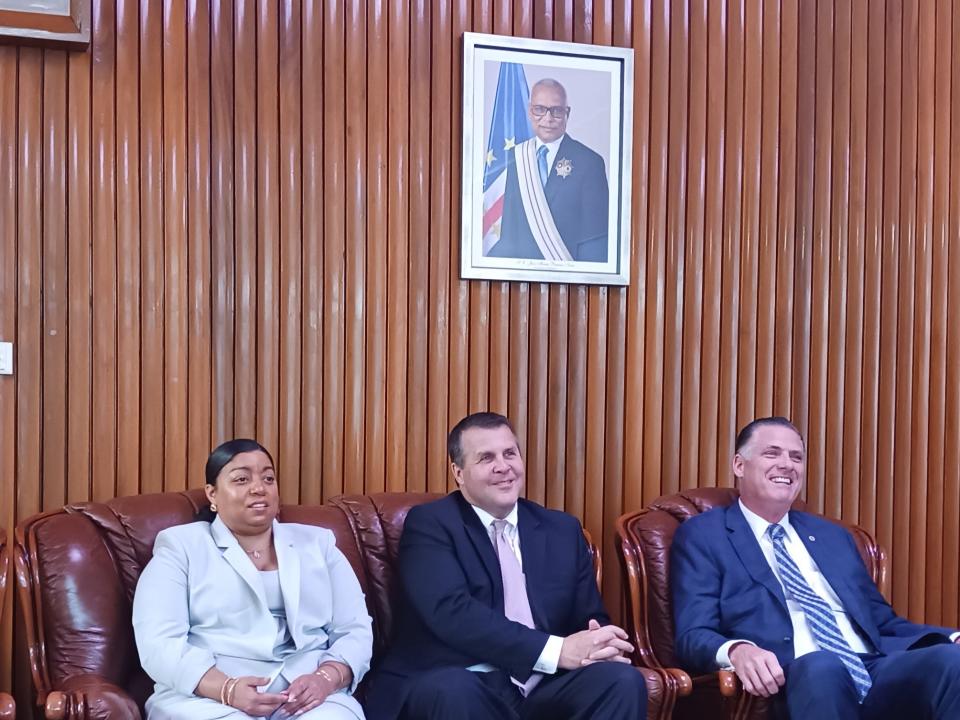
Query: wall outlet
column 6, row 358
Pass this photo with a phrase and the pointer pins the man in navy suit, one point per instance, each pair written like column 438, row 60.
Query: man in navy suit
column 783, row 598
column 555, row 207
column 457, row 653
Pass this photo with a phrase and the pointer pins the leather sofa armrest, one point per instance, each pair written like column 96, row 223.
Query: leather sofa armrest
column 728, row 682
column 90, row 697
column 664, row 685
column 724, row 680
column 8, row 708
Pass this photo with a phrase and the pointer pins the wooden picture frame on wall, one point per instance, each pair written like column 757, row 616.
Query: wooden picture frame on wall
column 48, row 23
column 547, row 161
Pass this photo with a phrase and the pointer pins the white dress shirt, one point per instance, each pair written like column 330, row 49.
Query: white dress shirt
column 803, row 641
column 550, row 655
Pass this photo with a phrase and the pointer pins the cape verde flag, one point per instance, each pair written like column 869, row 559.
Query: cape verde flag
column 509, row 126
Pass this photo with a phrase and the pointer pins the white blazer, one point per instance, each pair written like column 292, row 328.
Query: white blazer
column 200, row 602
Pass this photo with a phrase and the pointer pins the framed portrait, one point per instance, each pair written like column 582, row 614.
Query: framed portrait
column 48, row 23
column 547, row 158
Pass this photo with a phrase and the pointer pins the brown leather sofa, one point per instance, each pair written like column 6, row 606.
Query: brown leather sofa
column 77, row 570
column 8, row 709
column 643, row 546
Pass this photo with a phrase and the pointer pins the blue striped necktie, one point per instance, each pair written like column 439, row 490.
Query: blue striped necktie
column 820, row 617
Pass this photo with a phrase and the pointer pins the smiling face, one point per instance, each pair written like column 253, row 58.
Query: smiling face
column 771, row 468
column 492, row 474
column 246, row 493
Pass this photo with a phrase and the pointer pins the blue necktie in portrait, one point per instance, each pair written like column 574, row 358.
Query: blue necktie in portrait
column 542, row 163
column 820, row 617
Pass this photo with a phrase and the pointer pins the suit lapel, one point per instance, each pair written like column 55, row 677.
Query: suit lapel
column 748, row 549
column 288, row 560
column 533, row 548
column 481, row 542
column 553, row 180
column 834, row 568
column 237, row 559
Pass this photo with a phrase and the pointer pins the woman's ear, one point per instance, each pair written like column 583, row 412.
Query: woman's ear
column 211, row 492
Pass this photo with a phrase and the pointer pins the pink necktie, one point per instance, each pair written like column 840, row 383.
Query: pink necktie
column 516, row 605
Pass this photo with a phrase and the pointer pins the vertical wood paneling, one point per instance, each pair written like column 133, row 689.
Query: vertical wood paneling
column 221, row 189
column 374, row 474
column 356, row 233
column 633, row 388
column 418, row 253
column 852, row 481
column 29, row 322
column 770, row 49
column 714, row 156
column 267, row 239
column 355, row 245
column 730, row 261
column 888, row 282
column 54, row 279
column 291, row 261
column 104, row 294
column 312, row 322
column 398, row 192
column 152, row 263
column 8, row 320
column 938, row 536
column 189, row 259
column 653, row 481
column 951, row 460
column 246, row 341
column 79, row 343
column 235, row 219
column 128, row 247
column 839, row 244
column 442, row 68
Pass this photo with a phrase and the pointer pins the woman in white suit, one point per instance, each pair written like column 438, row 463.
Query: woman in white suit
column 246, row 617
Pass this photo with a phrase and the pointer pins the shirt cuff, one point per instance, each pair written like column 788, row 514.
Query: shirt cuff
column 954, row 636
column 550, row 657
column 723, row 653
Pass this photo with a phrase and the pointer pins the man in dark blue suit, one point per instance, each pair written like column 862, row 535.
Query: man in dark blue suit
column 556, row 206
column 501, row 616
column 783, row 598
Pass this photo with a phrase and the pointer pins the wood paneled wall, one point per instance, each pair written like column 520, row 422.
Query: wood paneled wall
column 241, row 219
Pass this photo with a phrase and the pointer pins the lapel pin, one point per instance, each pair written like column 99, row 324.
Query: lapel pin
column 812, row 538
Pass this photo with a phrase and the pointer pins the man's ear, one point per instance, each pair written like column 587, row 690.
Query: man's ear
column 737, row 465
column 457, row 473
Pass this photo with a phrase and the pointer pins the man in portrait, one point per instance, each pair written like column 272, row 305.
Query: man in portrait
column 556, row 196
column 784, row 599
column 500, row 616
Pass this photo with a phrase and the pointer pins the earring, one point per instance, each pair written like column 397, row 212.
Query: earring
column 213, row 507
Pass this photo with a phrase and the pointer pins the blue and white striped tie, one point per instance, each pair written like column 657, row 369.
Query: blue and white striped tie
column 819, row 615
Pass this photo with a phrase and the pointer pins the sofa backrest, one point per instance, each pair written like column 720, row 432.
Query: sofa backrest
column 78, row 569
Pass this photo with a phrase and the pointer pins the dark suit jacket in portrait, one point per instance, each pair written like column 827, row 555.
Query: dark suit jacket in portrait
column 724, row 589
column 578, row 201
column 452, row 611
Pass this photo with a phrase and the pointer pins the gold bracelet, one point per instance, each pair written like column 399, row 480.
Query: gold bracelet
column 223, row 690
column 230, row 691
column 321, row 672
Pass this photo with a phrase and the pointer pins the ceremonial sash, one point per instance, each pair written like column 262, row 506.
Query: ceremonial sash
column 539, row 217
